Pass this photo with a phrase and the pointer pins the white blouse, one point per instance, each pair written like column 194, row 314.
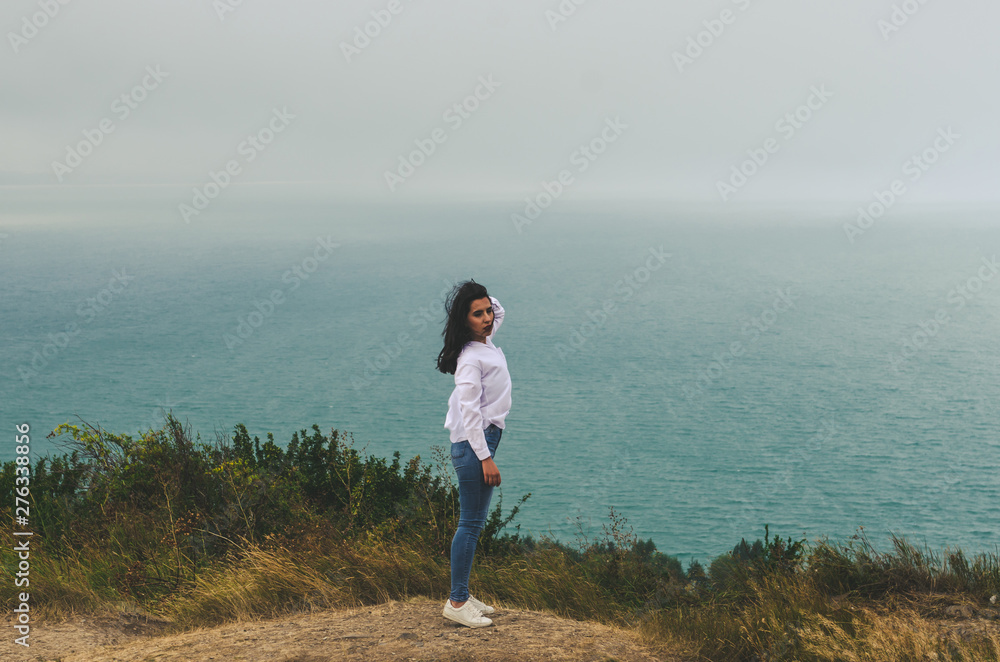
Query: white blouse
column 482, row 390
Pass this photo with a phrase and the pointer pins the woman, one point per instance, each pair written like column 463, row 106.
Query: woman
column 476, row 412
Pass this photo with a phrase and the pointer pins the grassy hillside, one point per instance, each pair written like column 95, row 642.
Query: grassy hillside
column 204, row 533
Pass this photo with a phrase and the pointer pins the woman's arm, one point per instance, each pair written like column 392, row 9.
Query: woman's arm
column 497, row 315
column 469, row 383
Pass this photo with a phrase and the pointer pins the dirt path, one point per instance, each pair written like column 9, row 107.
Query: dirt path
column 412, row 630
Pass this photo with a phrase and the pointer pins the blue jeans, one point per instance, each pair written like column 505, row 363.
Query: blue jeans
column 474, row 499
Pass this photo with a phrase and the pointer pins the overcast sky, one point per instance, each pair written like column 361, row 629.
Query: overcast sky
column 671, row 118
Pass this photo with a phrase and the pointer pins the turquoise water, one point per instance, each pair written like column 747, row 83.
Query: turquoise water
column 745, row 380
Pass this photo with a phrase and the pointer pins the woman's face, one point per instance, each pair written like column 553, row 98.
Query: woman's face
column 480, row 319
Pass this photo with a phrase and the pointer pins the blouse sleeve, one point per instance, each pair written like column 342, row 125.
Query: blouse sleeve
column 469, row 385
column 497, row 316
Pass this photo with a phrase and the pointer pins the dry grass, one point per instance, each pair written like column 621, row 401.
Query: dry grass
column 278, row 579
column 903, row 636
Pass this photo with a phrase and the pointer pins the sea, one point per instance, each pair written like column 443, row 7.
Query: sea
column 693, row 374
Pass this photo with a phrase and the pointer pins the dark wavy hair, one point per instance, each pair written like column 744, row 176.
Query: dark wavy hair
column 456, row 331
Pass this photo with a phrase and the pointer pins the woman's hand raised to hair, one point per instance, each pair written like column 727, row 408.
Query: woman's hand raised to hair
column 491, row 475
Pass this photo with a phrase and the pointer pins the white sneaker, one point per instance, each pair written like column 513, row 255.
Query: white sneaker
column 481, row 606
column 467, row 614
